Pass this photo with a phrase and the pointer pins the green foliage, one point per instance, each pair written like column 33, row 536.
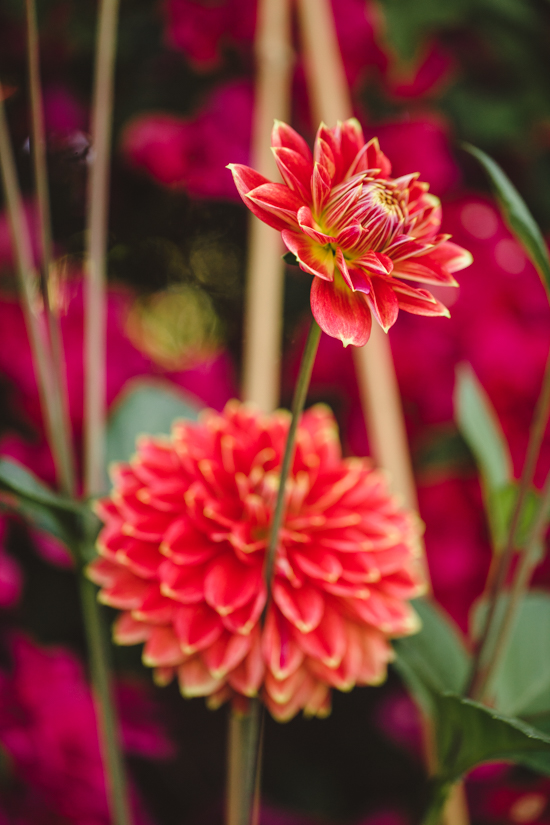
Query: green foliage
column 516, row 215
column 19, row 480
column 433, row 659
column 468, row 734
column 522, row 685
column 147, row 406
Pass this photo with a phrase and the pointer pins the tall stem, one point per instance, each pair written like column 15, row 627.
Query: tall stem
column 526, row 565
column 98, row 653
column 97, row 227
column 480, row 670
column 59, row 401
column 245, row 729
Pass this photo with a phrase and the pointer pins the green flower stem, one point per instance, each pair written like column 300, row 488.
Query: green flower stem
column 59, row 400
column 528, row 561
column 482, row 667
column 108, row 728
column 244, row 750
column 439, row 795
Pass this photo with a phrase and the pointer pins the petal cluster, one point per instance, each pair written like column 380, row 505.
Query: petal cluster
column 363, row 234
column 182, row 555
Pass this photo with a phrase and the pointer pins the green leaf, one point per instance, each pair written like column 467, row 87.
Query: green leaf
column 516, row 214
column 15, row 477
column 539, row 762
column 480, row 427
column 501, row 504
column 146, row 406
column 435, row 658
column 290, row 259
column 522, row 684
column 468, row 734
column 41, row 517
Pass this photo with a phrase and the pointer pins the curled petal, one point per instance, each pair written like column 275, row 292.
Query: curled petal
column 383, row 303
column 320, row 187
column 162, row 649
column 303, row 606
column 375, row 262
column 371, row 157
column 349, row 236
column 286, row 137
column 277, row 199
column 281, row 652
column 419, row 301
column 195, row 679
column 312, row 256
column 226, row 653
column 340, row 312
column 197, row 627
column 325, row 151
column 229, row 584
column 451, row 256
column 351, row 141
column 307, row 225
column 326, row 642
column 425, row 270
column 246, row 180
column 128, row 631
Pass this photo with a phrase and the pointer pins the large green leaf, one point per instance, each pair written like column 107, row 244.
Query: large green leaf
column 468, row 734
column 433, row 659
column 516, row 214
column 145, row 406
column 522, row 684
column 15, row 477
column 480, row 427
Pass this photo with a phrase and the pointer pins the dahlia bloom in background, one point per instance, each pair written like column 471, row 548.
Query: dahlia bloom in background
column 183, row 548
column 360, row 232
column 48, row 730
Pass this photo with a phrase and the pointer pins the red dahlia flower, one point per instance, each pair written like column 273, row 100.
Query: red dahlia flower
column 359, row 231
column 183, row 549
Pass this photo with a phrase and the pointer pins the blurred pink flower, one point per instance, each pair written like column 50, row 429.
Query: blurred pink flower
column 433, row 71
column 48, row 728
column 10, row 573
column 399, row 719
column 192, row 152
column 63, row 113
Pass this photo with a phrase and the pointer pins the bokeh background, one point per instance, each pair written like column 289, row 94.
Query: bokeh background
column 425, row 76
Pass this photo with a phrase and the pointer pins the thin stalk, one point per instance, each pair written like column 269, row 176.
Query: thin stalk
column 97, row 227
column 478, row 680
column 245, row 729
column 59, row 401
column 441, row 791
column 98, row 653
column 28, row 286
column 526, row 565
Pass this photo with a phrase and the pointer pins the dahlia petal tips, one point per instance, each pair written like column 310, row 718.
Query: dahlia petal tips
column 183, row 547
column 340, row 212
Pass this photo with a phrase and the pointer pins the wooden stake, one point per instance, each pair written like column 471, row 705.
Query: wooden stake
column 264, row 293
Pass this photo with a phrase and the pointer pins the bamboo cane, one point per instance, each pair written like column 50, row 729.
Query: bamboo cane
column 331, row 101
column 264, row 292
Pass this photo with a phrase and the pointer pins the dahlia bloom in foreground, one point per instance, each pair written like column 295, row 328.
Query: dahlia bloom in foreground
column 183, row 549
column 362, row 233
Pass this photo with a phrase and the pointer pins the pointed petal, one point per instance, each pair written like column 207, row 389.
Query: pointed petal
column 307, row 225
column 162, row 649
column 245, row 618
column 281, row 652
column 425, row 270
column 326, row 642
column 248, row 676
column 128, row 631
column 375, row 262
column 275, row 199
column 295, row 171
column 303, row 606
column 155, row 608
column 320, row 187
column 319, row 564
column 451, row 256
column 312, row 256
column 383, row 303
column 126, row 593
column 195, row 680
column 419, row 301
column 371, row 157
column 325, row 151
column 343, row 269
column 226, row 653
column 246, row 180
column 285, row 136
column 196, row 626
column 340, row 312
column 184, row 584
column 349, row 236
column 351, row 141
column 230, row 584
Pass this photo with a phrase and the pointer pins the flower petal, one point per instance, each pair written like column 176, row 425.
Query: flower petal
column 351, row 141
column 340, row 312
column 326, row 642
column 285, row 136
column 245, row 618
column 307, row 225
column 162, row 649
column 246, row 180
column 195, row 680
column 419, row 301
column 230, row 584
column 320, row 187
column 383, row 303
column 226, row 653
column 128, row 631
column 196, row 626
column 280, row 650
column 303, row 606
column 312, row 256
column 370, row 157
column 424, row 270
column 295, row 171
column 451, row 256
column 277, row 199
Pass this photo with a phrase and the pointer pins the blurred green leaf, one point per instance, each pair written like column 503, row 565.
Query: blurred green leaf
column 501, row 505
column 290, row 259
column 522, row 684
column 409, row 23
column 516, row 214
column 145, row 406
column 15, row 477
column 480, row 428
column 434, row 658
column 468, row 734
